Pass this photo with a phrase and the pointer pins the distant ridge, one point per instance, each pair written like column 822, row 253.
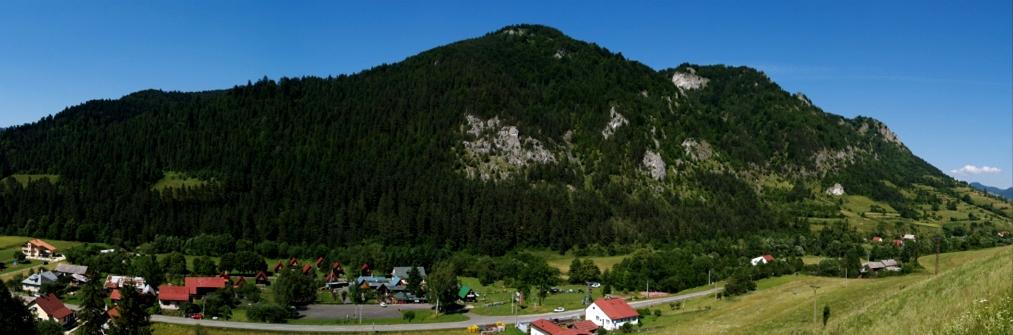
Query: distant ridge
column 1007, row 193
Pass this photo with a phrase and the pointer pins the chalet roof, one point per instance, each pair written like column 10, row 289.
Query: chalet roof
column 173, row 293
column 71, row 268
column 42, row 244
column 403, row 271
column 307, row 268
column 890, row 262
column 616, row 308
column 463, row 291
column 194, row 283
column 116, row 294
column 53, row 306
column 37, row 279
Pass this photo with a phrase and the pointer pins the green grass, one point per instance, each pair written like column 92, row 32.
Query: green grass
column 175, row 180
column 168, row 329
column 24, row 178
column 563, row 262
column 498, row 293
column 914, row 304
column 11, row 244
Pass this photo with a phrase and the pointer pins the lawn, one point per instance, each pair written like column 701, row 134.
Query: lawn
column 919, row 302
column 168, row 329
column 24, row 178
column 495, row 299
column 174, row 179
column 11, row 244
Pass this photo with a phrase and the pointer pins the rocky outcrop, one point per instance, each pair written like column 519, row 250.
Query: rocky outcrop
column 699, row 151
column 655, row 165
column 616, row 120
column 689, row 80
column 497, row 151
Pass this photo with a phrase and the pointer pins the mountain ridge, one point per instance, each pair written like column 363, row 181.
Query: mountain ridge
column 520, row 137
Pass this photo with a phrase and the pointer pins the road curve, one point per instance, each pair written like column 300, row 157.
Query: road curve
column 474, row 319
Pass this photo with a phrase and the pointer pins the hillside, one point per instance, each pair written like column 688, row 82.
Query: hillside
column 521, row 137
column 1007, row 193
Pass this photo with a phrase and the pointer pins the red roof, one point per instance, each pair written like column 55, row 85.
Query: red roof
column 768, row 258
column 877, row 239
column 364, row 266
column 261, row 275
column 335, row 265
column 616, row 308
column 898, row 243
column 293, row 261
column 585, row 325
column 239, row 281
column 307, row 268
column 173, row 293
column 116, row 295
column 194, row 283
column 279, row 267
column 551, row 328
column 113, row 312
column 319, row 261
column 53, row 307
column 42, row 244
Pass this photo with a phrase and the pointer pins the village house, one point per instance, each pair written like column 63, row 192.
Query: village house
column 261, row 278
column 886, row 264
column 114, row 282
column 41, row 250
column 51, row 308
column 761, row 260
column 76, row 273
column 546, row 327
column 199, row 286
column 877, row 239
column 898, row 243
column 910, row 237
column 404, row 271
column 171, row 296
column 611, row 313
column 466, row 294
column 33, row 283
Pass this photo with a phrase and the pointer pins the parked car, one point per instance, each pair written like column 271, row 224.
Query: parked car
column 197, row 316
column 595, row 284
column 383, row 304
column 559, row 309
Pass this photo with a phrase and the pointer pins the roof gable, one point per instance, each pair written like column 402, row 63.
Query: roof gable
column 616, row 308
column 42, row 244
column 53, row 306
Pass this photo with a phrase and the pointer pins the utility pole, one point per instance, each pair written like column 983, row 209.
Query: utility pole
column 648, row 289
column 709, row 277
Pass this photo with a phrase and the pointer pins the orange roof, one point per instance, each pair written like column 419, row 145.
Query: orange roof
column 113, row 312
column 585, row 325
column 194, row 283
column 616, row 308
column 551, row 328
column 42, row 244
column 53, row 307
column 307, row 268
column 116, row 295
column 173, row 293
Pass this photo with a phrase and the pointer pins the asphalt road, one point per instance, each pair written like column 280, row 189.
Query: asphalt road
column 371, row 311
column 474, row 319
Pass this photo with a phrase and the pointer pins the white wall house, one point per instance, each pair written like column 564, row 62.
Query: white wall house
column 611, row 313
column 33, row 283
column 761, row 260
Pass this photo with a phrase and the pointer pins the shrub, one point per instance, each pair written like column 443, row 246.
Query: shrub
column 265, row 312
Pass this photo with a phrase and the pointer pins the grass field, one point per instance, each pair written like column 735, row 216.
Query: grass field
column 174, row 179
column 11, row 244
column 495, row 299
column 911, row 304
column 24, row 179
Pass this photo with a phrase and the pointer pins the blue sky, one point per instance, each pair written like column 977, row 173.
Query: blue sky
column 940, row 74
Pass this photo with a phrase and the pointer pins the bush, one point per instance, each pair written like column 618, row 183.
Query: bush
column 265, row 312
column 740, row 283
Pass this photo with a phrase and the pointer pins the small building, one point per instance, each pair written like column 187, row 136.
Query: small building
column 611, row 313
column 238, row 282
column 293, row 262
column 898, row 243
column 877, row 239
column 261, row 278
column 466, row 294
column 51, row 308
column 546, row 327
column 279, row 267
column 307, row 269
column 320, row 260
column 336, row 267
column 910, row 237
column 39, row 249
column 886, row 264
column 114, row 282
column 33, row 283
column 333, row 280
column 365, row 270
column 1003, row 233
column 171, row 296
column 761, row 260
column 405, row 271
column 405, row 297
column 115, row 296
column 199, row 286
column 76, row 273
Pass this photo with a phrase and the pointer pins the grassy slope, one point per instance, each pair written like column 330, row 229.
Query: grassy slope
column 905, row 304
column 173, row 179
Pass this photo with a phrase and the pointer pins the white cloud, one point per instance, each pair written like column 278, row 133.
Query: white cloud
column 971, row 169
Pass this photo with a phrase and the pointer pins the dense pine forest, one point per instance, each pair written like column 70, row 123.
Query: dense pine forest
column 522, row 137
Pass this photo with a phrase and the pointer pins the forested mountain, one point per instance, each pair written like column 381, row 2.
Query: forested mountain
column 1007, row 193
column 521, row 137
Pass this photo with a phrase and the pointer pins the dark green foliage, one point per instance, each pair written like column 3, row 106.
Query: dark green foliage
column 147, row 266
column 174, row 263
column 408, row 315
column 376, row 157
column 826, row 315
column 268, row 312
column 414, row 281
column 220, row 303
column 246, row 262
column 92, row 315
column 442, row 285
column 293, row 288
column 134, row 318
column 204, row 265
column 14, row 316
column 740, row 283
column 48, row 327
column 583, row 271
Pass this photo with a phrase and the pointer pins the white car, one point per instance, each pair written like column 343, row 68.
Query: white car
column 383, row 304
column 595, row 284
column 559, row 309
